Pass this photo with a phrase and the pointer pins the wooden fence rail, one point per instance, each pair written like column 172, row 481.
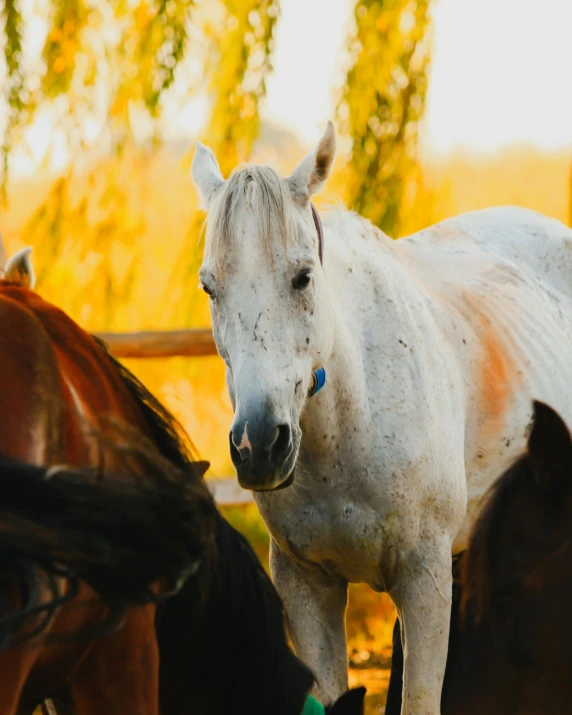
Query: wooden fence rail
column 161, row 343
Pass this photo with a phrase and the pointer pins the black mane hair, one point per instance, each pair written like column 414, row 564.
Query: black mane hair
column 229, row 654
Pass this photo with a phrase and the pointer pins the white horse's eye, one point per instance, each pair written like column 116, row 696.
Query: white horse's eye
column 302, row 279
column 206, row 289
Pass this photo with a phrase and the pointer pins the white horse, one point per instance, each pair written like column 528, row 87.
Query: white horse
column 433, row 347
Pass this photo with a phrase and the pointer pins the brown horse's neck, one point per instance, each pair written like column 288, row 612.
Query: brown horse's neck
column 31, row 408
column 71, row 387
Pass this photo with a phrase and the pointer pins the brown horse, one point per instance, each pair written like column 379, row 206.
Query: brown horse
column 62, row 399
column 510, row 642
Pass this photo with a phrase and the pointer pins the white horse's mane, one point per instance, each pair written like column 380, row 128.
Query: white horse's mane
column 266, row 196
column 259, row 190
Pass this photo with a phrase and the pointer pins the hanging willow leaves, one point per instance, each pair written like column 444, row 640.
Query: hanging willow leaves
column 152, row 46
column 92, row 220
column 130, row 52
column 170, row 30
column 106, row 67
column 108, row 59
column 238, row 81
column 382, row 103
column 63, row 45
column 14, row 88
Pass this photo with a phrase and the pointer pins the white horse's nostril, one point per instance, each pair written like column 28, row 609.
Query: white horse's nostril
column 281, row 444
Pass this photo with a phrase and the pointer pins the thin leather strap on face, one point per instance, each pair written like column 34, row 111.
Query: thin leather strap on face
column 319, row 375
column 319, row 230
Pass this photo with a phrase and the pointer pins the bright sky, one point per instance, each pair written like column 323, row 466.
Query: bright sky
column 501, row 73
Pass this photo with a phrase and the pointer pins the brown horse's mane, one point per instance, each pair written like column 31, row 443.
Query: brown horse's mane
column 166, row 431
column 117, row 536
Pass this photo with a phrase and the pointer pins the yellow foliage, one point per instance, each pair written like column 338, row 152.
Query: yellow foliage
column 63, row 45
column 111, row 264
column 244, row 41
column 382, row 103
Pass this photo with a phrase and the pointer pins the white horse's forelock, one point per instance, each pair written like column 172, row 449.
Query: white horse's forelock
column 260, row 191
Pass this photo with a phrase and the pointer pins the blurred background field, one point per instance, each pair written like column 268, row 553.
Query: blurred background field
column 442, row 107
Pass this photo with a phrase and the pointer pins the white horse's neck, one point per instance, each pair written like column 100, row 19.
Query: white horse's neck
column 351, row 245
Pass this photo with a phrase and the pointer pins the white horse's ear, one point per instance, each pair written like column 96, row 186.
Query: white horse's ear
column 311, row 173
column 19, row 269
column 206, row 174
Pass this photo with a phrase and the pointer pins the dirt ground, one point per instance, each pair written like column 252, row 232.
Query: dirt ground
column 376, row 680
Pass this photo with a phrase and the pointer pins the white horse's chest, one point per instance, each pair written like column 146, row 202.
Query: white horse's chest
column 358, row 510
column 342, row 535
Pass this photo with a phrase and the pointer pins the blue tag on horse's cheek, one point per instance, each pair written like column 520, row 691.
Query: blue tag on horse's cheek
column 320, row 378
column 318, row 381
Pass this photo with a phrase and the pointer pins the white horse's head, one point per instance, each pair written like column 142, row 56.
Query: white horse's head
column 270, row 314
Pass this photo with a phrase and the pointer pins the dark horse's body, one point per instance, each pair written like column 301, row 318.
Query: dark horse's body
column 510, row 645
column 223, row 645
column 221, row 639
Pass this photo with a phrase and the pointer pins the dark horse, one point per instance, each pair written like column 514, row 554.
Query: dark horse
column 222, row 641
column 510, row 647
column 223, row 645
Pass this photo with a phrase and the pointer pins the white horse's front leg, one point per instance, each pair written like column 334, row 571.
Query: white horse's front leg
column 315, row 609
column 422, row 596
